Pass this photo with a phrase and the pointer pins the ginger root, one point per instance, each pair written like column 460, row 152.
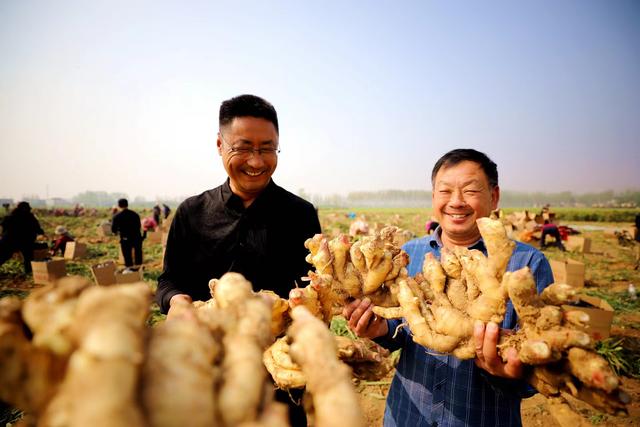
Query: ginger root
column 98, row 364
column 368, row 360
column 334, row 397
column 344, row 270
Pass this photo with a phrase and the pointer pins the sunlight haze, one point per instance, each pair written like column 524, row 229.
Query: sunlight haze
column 123, row 96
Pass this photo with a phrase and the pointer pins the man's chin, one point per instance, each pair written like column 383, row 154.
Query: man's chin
column 255, row 187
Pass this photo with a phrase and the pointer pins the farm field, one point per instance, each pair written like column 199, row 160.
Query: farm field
column 609, row 271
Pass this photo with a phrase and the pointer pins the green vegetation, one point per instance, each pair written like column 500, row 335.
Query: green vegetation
column 77, row 269
column 154, row 315
column 620, row 301
column 621, row 355
column 340, row 327
column 563, row 214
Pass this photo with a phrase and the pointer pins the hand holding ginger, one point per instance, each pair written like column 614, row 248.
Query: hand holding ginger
column 363, row 321
column 487, row 356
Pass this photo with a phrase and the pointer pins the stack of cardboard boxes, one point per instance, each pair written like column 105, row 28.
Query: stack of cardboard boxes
column 600, row 312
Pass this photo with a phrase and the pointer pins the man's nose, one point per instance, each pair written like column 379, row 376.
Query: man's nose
column 457, row 198
column 255, row 160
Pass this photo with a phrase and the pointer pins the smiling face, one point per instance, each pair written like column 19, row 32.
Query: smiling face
column 249, row 174
column 462, row 194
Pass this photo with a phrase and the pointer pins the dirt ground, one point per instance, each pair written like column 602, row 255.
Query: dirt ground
column 535, row 411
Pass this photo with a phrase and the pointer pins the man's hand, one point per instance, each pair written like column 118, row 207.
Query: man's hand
column 178, row 305
column 487, row 358
column 363, row 321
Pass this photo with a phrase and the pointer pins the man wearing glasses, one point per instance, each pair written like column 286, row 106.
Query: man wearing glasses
column 247, row 225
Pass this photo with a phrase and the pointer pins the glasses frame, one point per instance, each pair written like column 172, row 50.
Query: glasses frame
column 249, row 151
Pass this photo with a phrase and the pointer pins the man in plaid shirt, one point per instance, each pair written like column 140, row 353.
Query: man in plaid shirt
column 431, row 389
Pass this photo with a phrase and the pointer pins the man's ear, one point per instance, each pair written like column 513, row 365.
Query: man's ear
column 219, row 144
column 495, row 197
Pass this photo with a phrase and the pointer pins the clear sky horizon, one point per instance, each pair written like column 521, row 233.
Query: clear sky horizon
column 123, row 96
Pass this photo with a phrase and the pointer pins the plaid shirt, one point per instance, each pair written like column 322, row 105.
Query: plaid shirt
column 429, row 389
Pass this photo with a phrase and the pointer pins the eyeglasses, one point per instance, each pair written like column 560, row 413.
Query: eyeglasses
column 249, row 151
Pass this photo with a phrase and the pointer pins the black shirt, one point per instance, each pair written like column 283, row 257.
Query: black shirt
column 20, row 228
column 213, row 233
column 127, row 224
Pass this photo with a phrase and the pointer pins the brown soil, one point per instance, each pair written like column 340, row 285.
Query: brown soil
column 535, row 411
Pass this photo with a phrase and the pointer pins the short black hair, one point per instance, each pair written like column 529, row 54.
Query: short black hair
column 247, row 106
column 23, row 207
column 460, row 155
column 123, row 203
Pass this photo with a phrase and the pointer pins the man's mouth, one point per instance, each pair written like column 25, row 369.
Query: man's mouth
column 253, row 173
column 458, row 216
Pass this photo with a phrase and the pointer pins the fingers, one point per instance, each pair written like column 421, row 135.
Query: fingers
column 363, row 321
column 490, row 344
column 487, row 357
column 357, row 312
column 349, row 308
column 513, row 367
column 363, row 324
column 478, row 338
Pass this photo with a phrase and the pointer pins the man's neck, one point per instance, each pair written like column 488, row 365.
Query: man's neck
column 247, row 198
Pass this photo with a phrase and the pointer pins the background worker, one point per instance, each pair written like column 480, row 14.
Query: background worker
column 126, row 223
column 440, row 390
column 247, row 225
column 550, row 229
column 148, row 224
column 156, row 213
column 19, row 231
column 59, row 243
column 166, row 210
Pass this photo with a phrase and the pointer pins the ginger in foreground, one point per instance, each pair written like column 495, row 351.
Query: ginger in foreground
column 335, row 402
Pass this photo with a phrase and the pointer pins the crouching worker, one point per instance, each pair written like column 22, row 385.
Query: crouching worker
column 431, row 389
column 59, row 243
column 550, row 229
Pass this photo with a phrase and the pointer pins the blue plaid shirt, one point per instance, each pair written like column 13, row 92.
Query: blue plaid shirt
column 429, row 389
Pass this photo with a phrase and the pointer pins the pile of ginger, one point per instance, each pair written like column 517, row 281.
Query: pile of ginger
column 441, row 304
column 76, row 354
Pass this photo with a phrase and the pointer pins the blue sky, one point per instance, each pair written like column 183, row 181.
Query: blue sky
column 124, row 96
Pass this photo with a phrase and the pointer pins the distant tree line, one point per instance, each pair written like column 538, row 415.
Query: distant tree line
column 421, row 198
column 382, row 198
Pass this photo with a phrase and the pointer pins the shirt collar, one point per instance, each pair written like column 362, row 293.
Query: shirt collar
column 234, row 201
column 436, row 241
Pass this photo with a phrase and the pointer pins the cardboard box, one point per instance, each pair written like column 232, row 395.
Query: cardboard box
column 48, row 271
column 154, row 236
column 104, row 274
column 600, row 316
column 75, row 250
column 107, row 273
column 104, row 230
column 570, row 272
column 41, row 254
column 128, row 276
column 578, row 244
